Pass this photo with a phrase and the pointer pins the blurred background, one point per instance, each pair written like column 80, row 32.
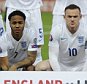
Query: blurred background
column 46, row 9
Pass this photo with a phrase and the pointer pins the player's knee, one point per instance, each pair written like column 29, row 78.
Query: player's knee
column 43, row 66
column 29, row 68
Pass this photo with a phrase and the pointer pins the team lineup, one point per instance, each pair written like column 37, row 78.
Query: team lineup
column 22, row 41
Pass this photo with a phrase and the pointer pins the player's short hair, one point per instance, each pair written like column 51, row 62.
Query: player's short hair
column 72, row 6
column 17, row 12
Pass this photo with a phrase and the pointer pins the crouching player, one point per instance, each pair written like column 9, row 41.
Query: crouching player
column 22, row 47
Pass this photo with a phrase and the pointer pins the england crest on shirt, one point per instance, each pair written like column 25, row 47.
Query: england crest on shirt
column 80, row 39
column 23, row 44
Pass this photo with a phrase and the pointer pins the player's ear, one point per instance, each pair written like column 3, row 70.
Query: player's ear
column 64, row 16
column 81, row 16
column 10, row 23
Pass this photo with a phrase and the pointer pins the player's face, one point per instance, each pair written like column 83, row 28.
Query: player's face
column 17, row 24
column 72, row 18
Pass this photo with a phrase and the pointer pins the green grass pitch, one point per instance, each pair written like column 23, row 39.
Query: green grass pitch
column 47, row 23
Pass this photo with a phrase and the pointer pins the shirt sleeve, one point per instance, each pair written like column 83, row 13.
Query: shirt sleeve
column 3, row 46
column 54, row 50
column 32, row 42
column 53, row 58
column 85, row 64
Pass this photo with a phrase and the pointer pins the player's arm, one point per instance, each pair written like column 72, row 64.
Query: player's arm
column 54, row 49
column 4, row 63
column 53, row 57
column 29, row 60
column 85, row 65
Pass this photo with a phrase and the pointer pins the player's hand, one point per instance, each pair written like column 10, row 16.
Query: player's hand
column 4, row 68
column 13, row 68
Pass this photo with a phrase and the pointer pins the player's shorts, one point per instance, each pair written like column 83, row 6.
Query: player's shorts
column 33, row 20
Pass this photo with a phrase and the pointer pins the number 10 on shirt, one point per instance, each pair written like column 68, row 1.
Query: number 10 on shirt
column 72, row 51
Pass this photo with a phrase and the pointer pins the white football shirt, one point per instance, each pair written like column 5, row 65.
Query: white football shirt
column 17, row 50
column 23, row 4
column 71, row 56
column 3, row 40
column 3, row 45
column 2, row 28
column 61, row 4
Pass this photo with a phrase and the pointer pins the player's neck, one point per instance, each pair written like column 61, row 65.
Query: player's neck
column 17, row 36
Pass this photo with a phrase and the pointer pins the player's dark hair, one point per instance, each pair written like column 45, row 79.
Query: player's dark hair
column 17, row 12
column 72, row 6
